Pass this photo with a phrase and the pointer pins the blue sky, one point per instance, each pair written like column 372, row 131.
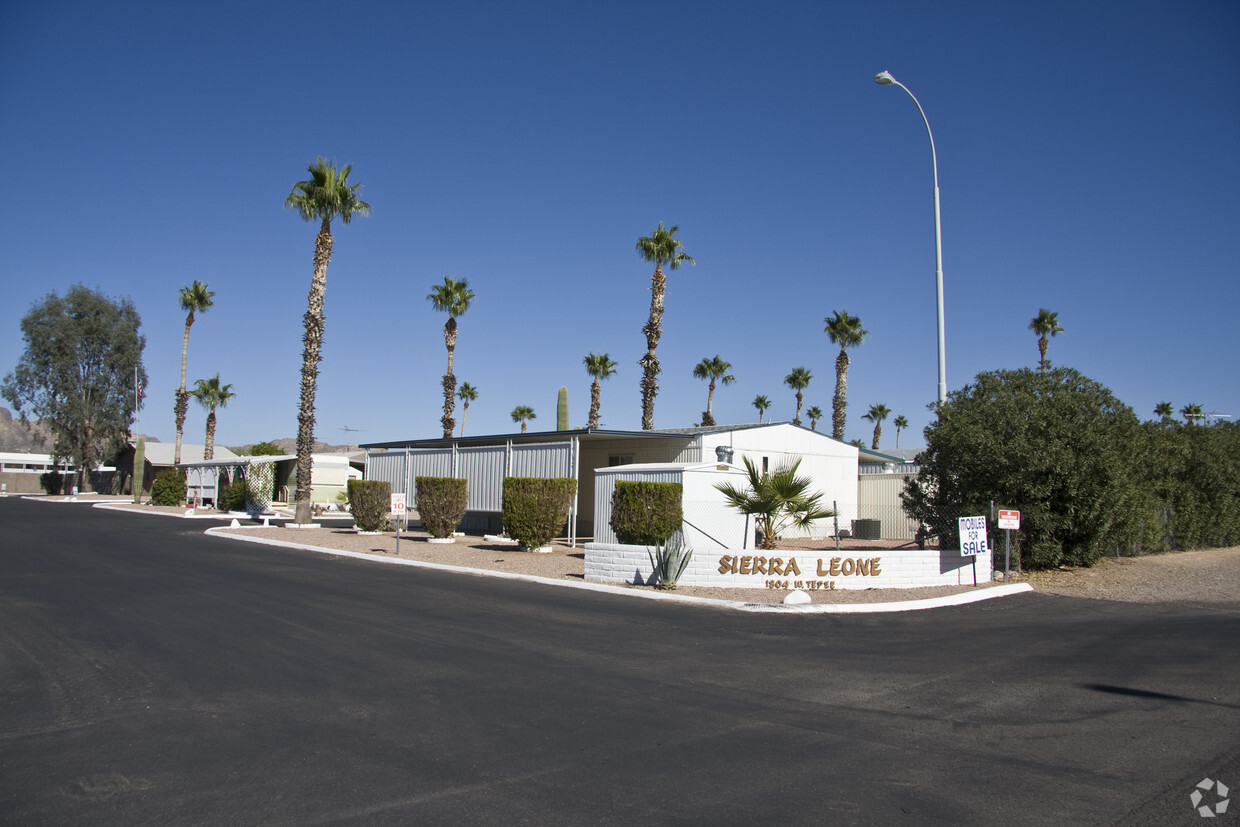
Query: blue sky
column 1087, row 157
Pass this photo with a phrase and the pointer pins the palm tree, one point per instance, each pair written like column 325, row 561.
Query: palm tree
column 1191, row 413
column 798, row 380
column 814, row 414
column 522, row 413
column 468, row 393
column 901, row 423
column 600, row 367
column 211, row 395
column 713, row 369
column 1044, row 324
column 325, row 195
column 452, row 297
column 1164, row 412
column 845, row 331
column 761, row 403
column 876, row 415
column 661, row 247
column 195, row 298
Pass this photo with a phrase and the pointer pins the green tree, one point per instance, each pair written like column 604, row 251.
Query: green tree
column 762, row 404
column 211, row 395
column 1054, row 445
column 599, row 367
column 845, row 331
column 901, row 423
column 195, row 298
column 452, row 297
column 713, row 369
column 265, row 449
column 1045, row 325
column 776, row 500
column 76, row 375
column 521, row 413
column 1164, row 412
column 324, row 196
column 814, row 414
column 468, row 393
column 798, row 380
column 661, row 247
column 876, row 415
column 1191, row 413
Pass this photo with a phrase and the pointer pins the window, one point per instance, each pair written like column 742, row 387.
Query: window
column 619, row 459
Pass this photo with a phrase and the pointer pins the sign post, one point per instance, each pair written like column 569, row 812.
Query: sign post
column 398, row 508
column 972, row 539
column 1008, row 520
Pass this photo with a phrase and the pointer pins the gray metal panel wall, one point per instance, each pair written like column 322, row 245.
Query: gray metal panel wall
column 389, row 468
column 548, row 459
column 484, row 468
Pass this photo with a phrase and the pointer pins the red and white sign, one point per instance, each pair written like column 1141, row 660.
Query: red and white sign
column 1009, row 519
column 398, row 505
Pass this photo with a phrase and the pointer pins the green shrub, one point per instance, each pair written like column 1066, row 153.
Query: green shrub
column 168, row 488
column 370, row 501
column 232, row 496
column 536, row 508
column 646, row 513
column 52, row 482
column 669, row 561
column 441, row 503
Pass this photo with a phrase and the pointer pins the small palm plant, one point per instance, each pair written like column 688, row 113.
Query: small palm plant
column 521, row 413
column 1191, row 413
column 712, row 369
column 761, row 403
column 901, row 423
column 1164, row 412
column 599, row 367
column 798, row 380
column 814, row 414
column 467, row 393
column 876, row 415
column 211, row 395
column 776, row 500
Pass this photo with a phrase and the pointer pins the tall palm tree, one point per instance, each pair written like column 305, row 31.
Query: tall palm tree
column 1191, row 413
column 713, row 369
column 452, row 297
column 661, row 247
column 845, row 331
column 1045, row 324
column 600, row 367
column 195, row 298
column 211, row 395
column 761, row 403
column 798, row 380
column 876, row 415
column 901, row 423
column 1164, row 412
column 522, row 413
column 325, row 195
column 468, row 393
column 814, row 414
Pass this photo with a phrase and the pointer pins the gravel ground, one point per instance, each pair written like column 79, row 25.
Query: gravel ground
column 1209, row 578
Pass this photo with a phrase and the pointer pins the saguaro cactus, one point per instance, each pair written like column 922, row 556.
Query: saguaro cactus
column 561, row 410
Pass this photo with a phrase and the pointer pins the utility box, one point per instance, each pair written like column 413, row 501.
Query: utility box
column 710, row 523
column 867, row 529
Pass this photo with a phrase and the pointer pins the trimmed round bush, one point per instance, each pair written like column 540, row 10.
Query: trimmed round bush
column 232, row 496
column 536, row 508
column 646, row 513
column 52, row 482
column 441, row 503
column 370, row 501
column 169, row 487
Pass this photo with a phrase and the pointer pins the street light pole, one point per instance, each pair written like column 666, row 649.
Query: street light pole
column 885, row 79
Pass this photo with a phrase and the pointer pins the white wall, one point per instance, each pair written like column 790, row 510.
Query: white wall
column 710, row 524
column 830, row 464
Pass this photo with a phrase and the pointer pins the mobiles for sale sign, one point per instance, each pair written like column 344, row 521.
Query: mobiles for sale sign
column 972, row 536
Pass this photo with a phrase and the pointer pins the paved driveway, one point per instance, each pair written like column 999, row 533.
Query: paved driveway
column 152, row 675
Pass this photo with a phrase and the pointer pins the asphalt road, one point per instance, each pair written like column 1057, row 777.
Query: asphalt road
column 151, row 675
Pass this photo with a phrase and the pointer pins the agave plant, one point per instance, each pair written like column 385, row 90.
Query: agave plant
column 669, row 561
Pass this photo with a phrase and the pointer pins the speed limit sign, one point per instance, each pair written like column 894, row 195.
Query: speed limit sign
column 398, row 505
